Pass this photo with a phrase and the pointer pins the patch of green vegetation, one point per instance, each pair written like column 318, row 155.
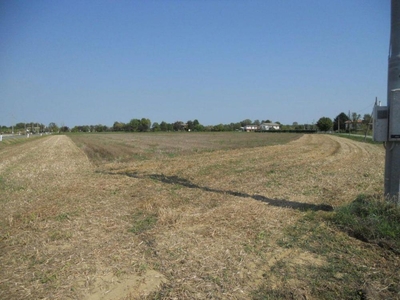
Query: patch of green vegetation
column 359, row 138
column 347, row 267
column 59, row 235
column 18, row 140
column 140, row 157
column 370, row 219
column 258, row 245
column 339, row 277
column 266, row 293
column 273, row 182
column 299, row 283
column 47, row 277
column 312, row 235
column 63, row 217
column 311, row 190
column 143, row 221
column 2, row 183
column 172, row 154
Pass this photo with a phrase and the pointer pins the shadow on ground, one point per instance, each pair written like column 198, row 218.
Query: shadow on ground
column 274, row 202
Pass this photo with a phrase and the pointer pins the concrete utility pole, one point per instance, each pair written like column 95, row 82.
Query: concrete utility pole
column 392, row 162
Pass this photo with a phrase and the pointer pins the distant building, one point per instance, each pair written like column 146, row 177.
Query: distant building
column 350, row 125
column 269, row 126
column 249, row 128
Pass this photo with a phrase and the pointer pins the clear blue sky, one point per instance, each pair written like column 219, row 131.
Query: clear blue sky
column 218, row 61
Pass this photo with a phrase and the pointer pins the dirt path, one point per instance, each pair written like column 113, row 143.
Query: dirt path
column 70, row 231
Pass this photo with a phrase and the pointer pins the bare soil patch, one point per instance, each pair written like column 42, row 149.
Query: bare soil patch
column 227, row 223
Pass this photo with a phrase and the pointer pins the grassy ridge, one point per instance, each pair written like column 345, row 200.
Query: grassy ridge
column 359, row 138
column 6, row 142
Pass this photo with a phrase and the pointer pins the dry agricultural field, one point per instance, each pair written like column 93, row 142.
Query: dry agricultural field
column 188, row 216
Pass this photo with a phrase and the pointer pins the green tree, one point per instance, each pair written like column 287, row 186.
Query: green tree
column 52, row 127
column 155, row 127
column 64, row 129
column 367, row 123
column 144, row 125
column 355, row 120
column 339, row 123
column 235, row 126
column 245, row 122
column 118, row 126
column 190, row 125
column 178, row 126
column 197, row 126
column 163, row 126
column 133, row 125
column 218, row 127
column 100, row 128
column 324, row 124
column 4, row 129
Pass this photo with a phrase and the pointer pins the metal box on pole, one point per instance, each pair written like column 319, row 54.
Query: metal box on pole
column 394, row 116
column 380, row 125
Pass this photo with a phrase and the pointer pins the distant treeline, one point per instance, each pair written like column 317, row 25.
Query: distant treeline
column 145, row 125
column 342, row 123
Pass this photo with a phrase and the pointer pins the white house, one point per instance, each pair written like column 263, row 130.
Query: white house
column 249, row 128
column 269, row 126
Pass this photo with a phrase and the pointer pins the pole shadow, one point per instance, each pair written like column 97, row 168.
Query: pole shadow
column 274, row 202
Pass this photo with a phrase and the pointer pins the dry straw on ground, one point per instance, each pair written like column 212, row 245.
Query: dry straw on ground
column 187, row 223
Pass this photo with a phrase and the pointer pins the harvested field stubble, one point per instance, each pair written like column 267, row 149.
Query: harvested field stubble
column 102, row 148
column 224, row 221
